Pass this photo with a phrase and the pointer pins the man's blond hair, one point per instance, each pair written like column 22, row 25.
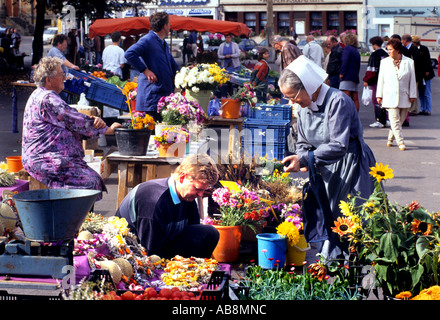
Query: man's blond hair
column 200, row 167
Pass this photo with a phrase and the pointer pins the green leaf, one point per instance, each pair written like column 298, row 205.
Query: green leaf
column 422, row 246
column 422, row 215
column 389, row 244
column 416, row 274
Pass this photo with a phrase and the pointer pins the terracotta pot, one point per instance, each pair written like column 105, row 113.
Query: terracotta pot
column 230, row 108
column 228, row 246
column 14, row 163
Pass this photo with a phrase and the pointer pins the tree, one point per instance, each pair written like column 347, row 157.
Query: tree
column 97, row 9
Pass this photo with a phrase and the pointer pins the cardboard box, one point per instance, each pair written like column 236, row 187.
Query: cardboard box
column 99, row 164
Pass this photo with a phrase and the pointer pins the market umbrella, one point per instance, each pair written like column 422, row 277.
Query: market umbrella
column 139, row 25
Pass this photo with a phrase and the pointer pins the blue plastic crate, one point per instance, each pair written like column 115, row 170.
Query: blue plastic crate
column 267, row 112
column 82, row 75
column 273, row 150
column 261, row 132
column 108, row 94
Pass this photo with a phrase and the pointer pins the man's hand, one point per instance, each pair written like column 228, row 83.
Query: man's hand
column 98, row 123
column 151, row 77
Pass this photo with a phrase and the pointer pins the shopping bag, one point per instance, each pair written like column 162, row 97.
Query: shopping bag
column 317, row 214
column 367, row 96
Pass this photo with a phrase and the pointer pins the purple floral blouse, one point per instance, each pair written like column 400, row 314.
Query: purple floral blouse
column 52, row 150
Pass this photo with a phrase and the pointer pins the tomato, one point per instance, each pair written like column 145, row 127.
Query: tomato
column 150, row 293
column 175, row 289
column 176, row 294
column 165, row 293
column 128, row 295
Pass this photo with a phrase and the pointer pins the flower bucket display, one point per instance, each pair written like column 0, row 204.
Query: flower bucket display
column 202, row 98
column 172, row 142
column 132, row 142
column 230, row 108
column 272, row 249
column 133, row 105
column 296, row 254
column 14, row 163
column 178, row 110
column 228, row 247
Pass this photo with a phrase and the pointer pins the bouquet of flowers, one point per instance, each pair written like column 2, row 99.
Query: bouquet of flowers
column 246, row 94
column 201, row 77
column 402, row 243
column 171, row 135
column 141, row 120
column 177, row 110
column 238, row 208
column 215, row 39
column 130, row 89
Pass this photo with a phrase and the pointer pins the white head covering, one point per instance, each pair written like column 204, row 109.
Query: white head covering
column 310, row 74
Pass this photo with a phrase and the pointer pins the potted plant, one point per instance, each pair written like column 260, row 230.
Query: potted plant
column 237, row 209
column 244, row 96
column 171, row 141
column 133, row 137
column 401, row 242
column 176, row 110
column 130, row 88
column 199, row 81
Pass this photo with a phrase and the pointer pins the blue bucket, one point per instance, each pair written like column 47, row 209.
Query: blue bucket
column 272, row 249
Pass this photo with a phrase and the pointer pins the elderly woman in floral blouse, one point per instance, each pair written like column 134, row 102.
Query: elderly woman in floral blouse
column 52, row 150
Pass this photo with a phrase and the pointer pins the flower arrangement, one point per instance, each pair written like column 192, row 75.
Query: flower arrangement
column 332, row 32
column 316, row 32
column 215, row 39
column 141, row 120
column 130, row 88
column 201, row 77
column 401, row 242
column 246, row 94
column 238, row 208
column 175, row 109
column 171, row 135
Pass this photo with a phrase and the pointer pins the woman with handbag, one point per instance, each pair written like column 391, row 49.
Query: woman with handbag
column 330, row 140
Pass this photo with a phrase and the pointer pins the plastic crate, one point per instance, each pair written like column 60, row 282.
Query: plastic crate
column 261, row 132
column 82, row 75
column 108, row 94
column 217, row 288
column 273, row 150
column 265, row 112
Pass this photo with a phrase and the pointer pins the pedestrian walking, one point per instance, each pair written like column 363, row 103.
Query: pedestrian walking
column 396, row 89
column 350, row 66
column 370, row 79
column 425, row 84
column 334, row 62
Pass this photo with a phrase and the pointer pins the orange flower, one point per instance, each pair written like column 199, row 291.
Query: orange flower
column 343, row 226
column 420, row 226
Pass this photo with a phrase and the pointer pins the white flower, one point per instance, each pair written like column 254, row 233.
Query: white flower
column 195, row 89
column 254, row 99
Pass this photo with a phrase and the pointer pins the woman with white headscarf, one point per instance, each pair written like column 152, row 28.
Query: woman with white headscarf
column 328, row 125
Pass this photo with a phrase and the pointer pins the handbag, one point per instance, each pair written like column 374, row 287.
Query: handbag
column 317, row 214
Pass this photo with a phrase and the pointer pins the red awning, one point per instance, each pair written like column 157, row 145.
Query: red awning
column 139, row 25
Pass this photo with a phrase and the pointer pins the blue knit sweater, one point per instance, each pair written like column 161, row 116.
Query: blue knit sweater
column 351, row 63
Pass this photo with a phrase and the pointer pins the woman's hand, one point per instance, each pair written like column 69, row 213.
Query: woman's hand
column 98, row 123
column 291, row 163
column 412, row 100
column 111, row 130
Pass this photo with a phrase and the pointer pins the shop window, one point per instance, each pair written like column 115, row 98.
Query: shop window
column 316, row 23
column 284, row 23
column 332, row 23
column 231, row 16
column 350, row 20
column 250, row 19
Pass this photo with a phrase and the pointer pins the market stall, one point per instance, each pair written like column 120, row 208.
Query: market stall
column 139, row 25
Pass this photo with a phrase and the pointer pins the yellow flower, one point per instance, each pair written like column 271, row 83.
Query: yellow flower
column 289, row 230
column 404, row 295
column 381, row 172
column 345, row 208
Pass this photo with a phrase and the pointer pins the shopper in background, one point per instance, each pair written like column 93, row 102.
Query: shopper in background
column 350, row 66
column 313, row 51
column 370, row 79
column 424, row 85
column 334, row 62
column 396, row 89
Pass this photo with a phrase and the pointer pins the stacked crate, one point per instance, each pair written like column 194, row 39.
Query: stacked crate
column 266, row 131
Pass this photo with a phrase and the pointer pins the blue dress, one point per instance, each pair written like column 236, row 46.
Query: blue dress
column 342, row 157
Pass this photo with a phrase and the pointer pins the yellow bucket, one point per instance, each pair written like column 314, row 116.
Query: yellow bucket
column 296, row 254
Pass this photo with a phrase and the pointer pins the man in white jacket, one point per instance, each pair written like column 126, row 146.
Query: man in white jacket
column 313, row 51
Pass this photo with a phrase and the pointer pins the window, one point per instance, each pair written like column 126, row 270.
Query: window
column 250, row 19
column 283, row 23
column 316, row 21
column 263, row 20
column 350, row 20
column 333, row 23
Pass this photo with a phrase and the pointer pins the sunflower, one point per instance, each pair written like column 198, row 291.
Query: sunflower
column 345, row 208
column 343, row 226
column 420, row 226
column 381, row 172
